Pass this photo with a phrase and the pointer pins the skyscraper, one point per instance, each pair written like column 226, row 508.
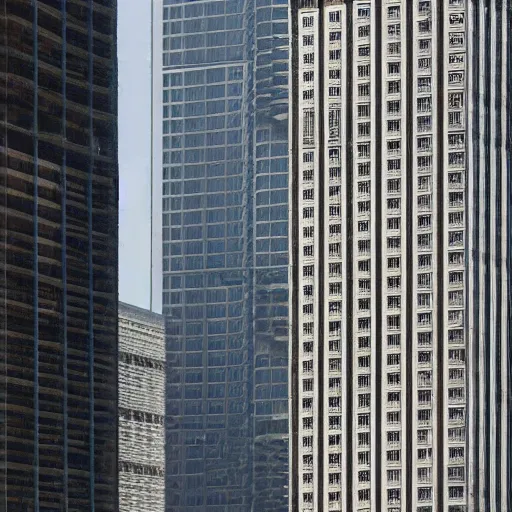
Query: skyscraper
column 401, row 369
column 58, row 256
column 220, row 249
column 141, row 410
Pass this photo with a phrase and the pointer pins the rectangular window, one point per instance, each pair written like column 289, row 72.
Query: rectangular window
column 309, row 126
column 307, row 40
column 307, row 21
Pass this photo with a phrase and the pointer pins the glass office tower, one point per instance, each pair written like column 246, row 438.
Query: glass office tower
column 58, row 256
column 220, row 249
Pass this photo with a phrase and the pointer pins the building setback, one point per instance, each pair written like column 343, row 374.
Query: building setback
column 401, row 363
column 58, row 256
column 141, row 410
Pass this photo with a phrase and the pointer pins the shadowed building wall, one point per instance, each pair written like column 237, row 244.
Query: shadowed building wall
column 58, row 255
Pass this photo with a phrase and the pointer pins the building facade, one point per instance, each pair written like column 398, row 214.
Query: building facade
column 220, row 249
column 58, row 256
column 141, row 410
column 401, row 364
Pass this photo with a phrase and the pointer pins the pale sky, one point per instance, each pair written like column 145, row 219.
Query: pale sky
column 134, row 55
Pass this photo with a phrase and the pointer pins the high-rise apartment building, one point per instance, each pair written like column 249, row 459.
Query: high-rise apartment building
column 58, row 256
column 220, row 249
column 401, row 362
column 141, row 410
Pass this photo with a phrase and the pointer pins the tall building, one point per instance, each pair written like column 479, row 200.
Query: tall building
column 58, row 256
column 141, row 410
column 220, row 249
column 402, row 168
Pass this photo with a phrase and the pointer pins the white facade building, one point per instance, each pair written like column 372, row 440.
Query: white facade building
column 402, row 221
column 141, row 410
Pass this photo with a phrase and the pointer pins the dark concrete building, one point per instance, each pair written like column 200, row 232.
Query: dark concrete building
column 58, row 256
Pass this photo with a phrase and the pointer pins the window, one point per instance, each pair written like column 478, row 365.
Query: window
column 394, row 87
column 334, row 496
column 393, row 359
column 424, row 339
column 363, row 71
column 334, row 172
column 393, row 476
column 393, row 68
column 308, row 290
column 363, row 110
column 424, row 45
column 307, row 497
column 308, row 76
column 307, row 156
column 335, row 54
column 364, row 285
column 363, row 362
column 309, row 58
column 363, row 11
column 424, row 84
column 393, row 243
column 394, row 263
column 334, row 123
column 393, row 418
column 364, row 51
column 363, row 226
column 363, row 494
column 309, row 126
column 308, row 250
column 394, row 12
column 394, row 107
column 364, row 266
column 308, row 94
column 363, row 90
column 363, row 381
column 307, row 478
column 424, row 7
column 425, row 26
column 424, row 300
column 363, row 169
column 308, row 194
column 394, row 302
column 394, row 379
column 334, row 440
column 334, row 16
column 393, row 455
column 363, row 129
column 363, row 476
column 393, row 204
column 455, row 119
column 394, row 146
column 363, row 420
column 424, row 104
column 307, row 21
column 363, row 400
column 394, row 49
column 307, row 213
column 394, row 126
column 307, row 366
column 335, row 36
column 334, row 74
column 307, row 40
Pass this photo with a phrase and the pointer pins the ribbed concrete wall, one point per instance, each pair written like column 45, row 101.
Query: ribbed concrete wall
column 141, row 410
